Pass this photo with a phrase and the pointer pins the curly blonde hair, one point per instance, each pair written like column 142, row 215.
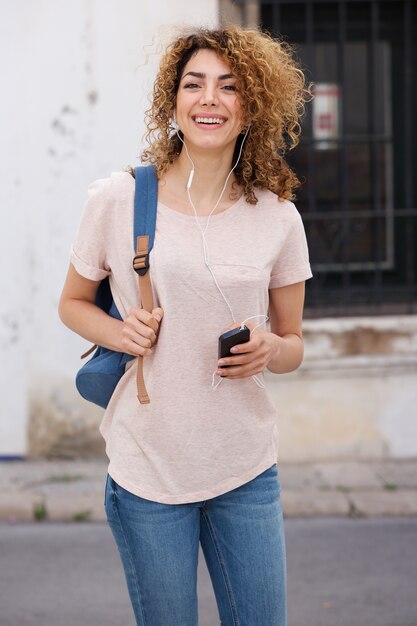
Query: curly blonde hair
column 273, row 93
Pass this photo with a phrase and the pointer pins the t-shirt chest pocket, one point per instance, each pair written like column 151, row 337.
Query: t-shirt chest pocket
column 179, row 268
column 241, row 280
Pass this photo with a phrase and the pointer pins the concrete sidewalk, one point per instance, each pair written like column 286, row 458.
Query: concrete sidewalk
column 63, row 490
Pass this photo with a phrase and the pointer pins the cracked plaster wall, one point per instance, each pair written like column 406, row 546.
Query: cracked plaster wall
column 76, row 78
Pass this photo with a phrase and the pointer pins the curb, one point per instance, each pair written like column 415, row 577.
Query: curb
column 60, row 507
column 73, row 491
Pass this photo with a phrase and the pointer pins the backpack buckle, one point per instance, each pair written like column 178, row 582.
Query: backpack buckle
column 141, row 263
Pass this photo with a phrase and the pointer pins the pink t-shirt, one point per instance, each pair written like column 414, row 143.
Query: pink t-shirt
column 192, row 442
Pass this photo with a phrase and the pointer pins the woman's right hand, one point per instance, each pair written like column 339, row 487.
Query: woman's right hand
column 140, row 331
column 77, row 309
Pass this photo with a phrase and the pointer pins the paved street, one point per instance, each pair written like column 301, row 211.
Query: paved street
column 342, row 572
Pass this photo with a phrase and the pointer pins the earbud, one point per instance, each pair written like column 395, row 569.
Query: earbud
column 174, row 123
column 191, row 176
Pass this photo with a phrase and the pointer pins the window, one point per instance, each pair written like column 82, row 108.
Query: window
column 357, row 157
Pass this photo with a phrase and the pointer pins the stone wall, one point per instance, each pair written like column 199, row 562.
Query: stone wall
column 355, row 396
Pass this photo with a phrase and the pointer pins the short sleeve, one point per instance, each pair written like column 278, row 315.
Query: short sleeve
column 88, row 253
column 292, row 264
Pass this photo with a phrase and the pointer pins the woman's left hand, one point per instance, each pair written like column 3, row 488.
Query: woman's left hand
column 251, row 357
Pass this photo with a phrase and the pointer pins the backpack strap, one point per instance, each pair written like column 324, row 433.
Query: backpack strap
column 146, row 199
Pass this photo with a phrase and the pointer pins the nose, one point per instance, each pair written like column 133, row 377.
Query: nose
column 208, row 97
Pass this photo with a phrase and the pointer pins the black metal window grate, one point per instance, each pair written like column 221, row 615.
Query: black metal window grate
column 358, row 154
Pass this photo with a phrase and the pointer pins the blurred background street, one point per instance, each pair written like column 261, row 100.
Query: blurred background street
column 341, row 572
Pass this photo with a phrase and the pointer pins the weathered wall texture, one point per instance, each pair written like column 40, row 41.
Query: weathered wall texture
column 72, row 111
column 355, row 395
column 76, row 79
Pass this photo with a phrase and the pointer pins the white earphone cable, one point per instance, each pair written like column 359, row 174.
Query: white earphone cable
column 259, row 382
column 203, row 232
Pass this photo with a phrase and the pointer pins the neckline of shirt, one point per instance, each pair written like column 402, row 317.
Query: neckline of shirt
column 191, row 215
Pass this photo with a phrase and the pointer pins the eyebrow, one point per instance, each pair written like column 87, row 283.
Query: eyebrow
column 202, row 75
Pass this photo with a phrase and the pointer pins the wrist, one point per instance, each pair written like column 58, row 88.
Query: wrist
column 116, row 335
column 274, row 343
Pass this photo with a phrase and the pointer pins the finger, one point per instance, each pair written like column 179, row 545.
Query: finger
column 139, row 333
column 134, row 349
column 248, row 368
column 247, row 352
column 229, row 372
column 246, row 375
column 135, row 329
column 158, row 314
column 233, row 361
column 143, row 322
column 248, row 346
column 240, row 371
column 142, row 340
column 145, row 317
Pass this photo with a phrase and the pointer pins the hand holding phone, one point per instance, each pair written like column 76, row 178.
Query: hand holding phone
column 232, row 338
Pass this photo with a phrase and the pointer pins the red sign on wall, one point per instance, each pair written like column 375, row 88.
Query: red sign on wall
column 326, row 105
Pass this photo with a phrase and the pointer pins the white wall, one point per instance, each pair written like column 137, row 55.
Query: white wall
column 355, row 396
column 76, row 76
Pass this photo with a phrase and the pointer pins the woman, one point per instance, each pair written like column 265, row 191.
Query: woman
column 198, row 464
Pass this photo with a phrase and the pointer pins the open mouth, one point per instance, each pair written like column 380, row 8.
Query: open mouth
column 209, row 121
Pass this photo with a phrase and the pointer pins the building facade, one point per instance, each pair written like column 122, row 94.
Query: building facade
column 356, row 394
column 73, row 112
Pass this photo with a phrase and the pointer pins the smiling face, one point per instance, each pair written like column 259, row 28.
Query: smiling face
column 208, row 109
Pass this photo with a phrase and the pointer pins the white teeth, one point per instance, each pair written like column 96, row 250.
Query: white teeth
column 208, row 120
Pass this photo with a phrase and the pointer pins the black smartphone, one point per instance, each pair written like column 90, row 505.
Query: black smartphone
column 232, row 338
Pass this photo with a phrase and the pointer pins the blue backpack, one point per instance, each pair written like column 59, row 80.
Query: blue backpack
column 97, row 379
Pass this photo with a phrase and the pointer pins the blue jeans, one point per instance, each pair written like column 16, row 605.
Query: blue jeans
column 242, row 537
